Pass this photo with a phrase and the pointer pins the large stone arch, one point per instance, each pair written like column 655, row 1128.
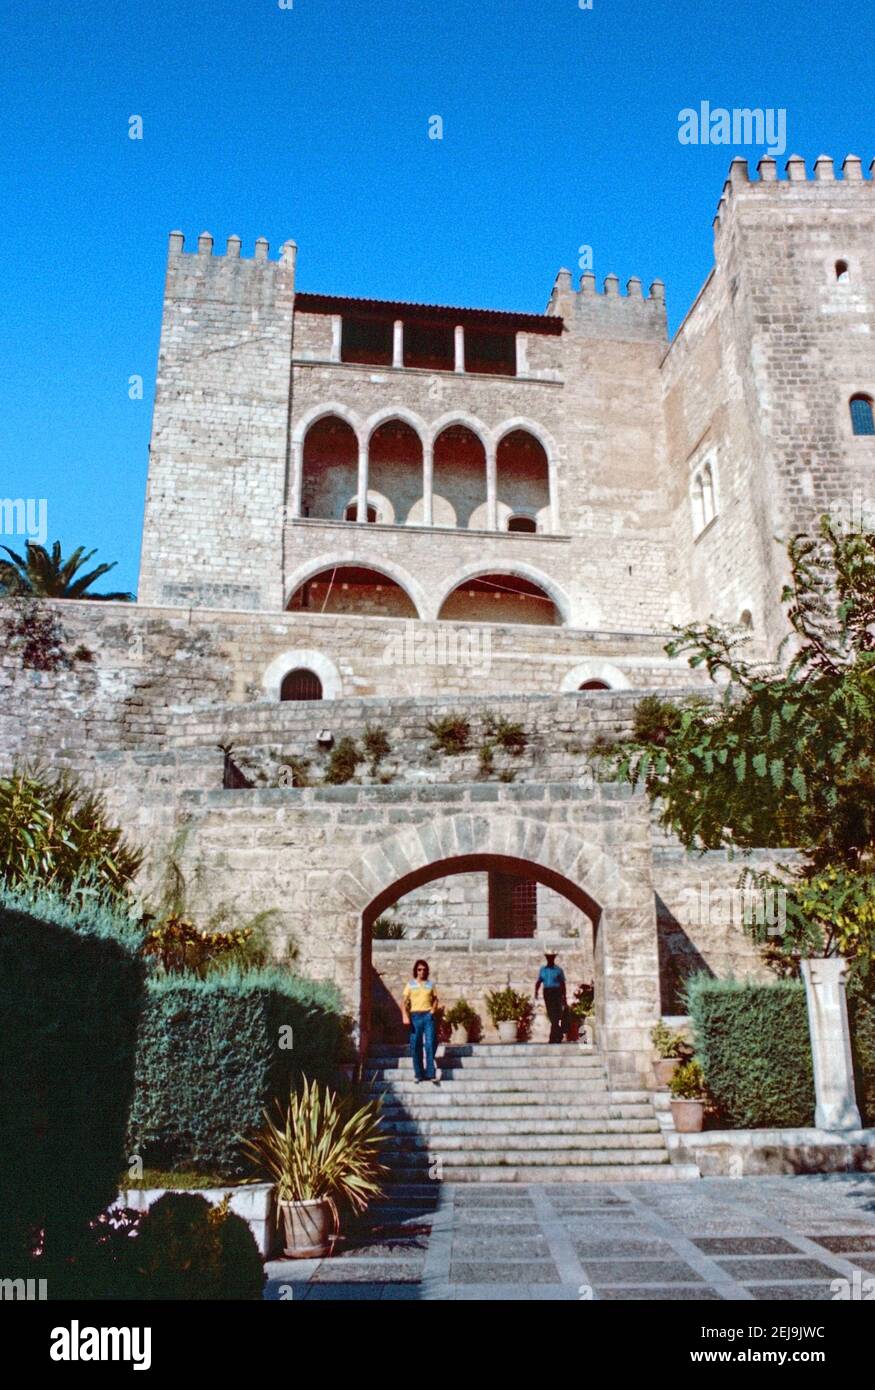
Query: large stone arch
column 461, row 417
column 330, row 559
column 615, row 892
column 516, row 567
column 398, row 412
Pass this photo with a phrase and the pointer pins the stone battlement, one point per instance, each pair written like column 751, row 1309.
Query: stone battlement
column 797, row 182
column 176, row 247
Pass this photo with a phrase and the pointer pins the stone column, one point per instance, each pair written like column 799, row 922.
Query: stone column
column 428, row 482
column 297, row 475
column 835, row 1095
column 522, row 354
column 362, row 508
column 491, row 488
column 398, row 343
column 459, row 341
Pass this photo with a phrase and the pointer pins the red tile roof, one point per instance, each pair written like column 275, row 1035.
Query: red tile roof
column 441, row 313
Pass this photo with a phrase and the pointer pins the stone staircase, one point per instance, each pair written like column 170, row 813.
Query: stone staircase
column 517, row 1112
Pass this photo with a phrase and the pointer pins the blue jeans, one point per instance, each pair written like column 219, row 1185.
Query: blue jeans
column 423, row 1037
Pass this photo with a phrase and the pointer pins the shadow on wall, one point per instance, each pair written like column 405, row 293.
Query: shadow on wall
column 678, row 959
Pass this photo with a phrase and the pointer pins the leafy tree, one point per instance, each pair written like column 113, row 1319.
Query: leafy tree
column 46, row 574
column 785, row 756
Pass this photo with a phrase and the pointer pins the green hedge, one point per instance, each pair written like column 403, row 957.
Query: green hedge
column 71, row 992
column 753, row 1043
column 210, row 1058
column 861, row 1011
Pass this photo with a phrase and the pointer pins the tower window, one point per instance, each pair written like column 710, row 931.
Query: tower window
column 862, row 420
column 842, row 272
column 703, row 497
column 522, row 523
column 301, row 684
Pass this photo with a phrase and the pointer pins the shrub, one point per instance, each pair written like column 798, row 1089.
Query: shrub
column 507, row 733
column 188, row 1249
column 861, row 1011
column 343, row 762
column 655, row 720
column 55, row 834
column 71, row 991
column 213, row 1052
column 180, row 946
column 753, row 1043
column 377, row 746
column 450, row 734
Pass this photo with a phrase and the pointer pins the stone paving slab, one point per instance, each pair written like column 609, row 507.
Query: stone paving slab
column 748, row 1239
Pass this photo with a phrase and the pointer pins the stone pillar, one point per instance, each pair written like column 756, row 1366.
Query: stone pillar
column 336, row 332
column 522, row 354
column 297, row 475
column 398, row 343
column 362, row 508
column 491, row 488
column 428, row 482
column 627, row 992
column 836, row 1103
column 459, row 341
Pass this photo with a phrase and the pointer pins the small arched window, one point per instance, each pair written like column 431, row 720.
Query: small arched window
column 522, row 523
column 352, row 511
column 862, row 419
column 703, row 497
column 594, row 685
column 843, row 274
column 301, row 684
column 746, row 620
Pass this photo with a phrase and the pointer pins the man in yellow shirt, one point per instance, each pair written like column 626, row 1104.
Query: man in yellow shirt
column 419, row 1006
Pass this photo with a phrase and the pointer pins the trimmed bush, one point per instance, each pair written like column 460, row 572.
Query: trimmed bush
column 188, row 1249
column 753, row 1043
column 861, row 1012
column 71, row 992
column 214, row 1052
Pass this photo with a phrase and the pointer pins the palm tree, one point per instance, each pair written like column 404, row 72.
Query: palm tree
column 44, row 575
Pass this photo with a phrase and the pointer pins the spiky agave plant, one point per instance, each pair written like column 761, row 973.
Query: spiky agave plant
column 321, row 1149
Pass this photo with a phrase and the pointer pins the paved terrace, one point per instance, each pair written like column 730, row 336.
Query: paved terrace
column 749, row 1239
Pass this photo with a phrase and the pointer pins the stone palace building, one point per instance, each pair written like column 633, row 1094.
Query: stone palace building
column 380, row 536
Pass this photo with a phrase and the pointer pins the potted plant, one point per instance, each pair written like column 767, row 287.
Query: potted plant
column 321, row 1154
column 464, row 1022
column 688, row 1096
column 580, row 1013
column 510, row 1013
column 671, row 1049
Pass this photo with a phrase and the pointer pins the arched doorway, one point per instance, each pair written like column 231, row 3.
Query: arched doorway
column 301, row 684
column 482, row 920
column 500, row 598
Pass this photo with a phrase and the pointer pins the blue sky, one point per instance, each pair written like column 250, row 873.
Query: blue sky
column 560, row 129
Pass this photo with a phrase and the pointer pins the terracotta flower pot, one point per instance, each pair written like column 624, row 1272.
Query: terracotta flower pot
column 688, row 1115
column 508, row 1030
column 664, row 1069
column 309, row 1227
column 459, row 1036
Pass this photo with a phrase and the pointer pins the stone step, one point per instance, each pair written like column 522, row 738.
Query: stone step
column 501, row 1114
column 562, row 1173
column 491, row 1076
column 439, row 1096
column 531, row 1157
column 380, row 1050
column 566, row 1141
column 568, row 1058
column 441, row 1126
column 524, row 1082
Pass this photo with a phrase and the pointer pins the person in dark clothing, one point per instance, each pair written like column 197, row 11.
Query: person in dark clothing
column 552, row 977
